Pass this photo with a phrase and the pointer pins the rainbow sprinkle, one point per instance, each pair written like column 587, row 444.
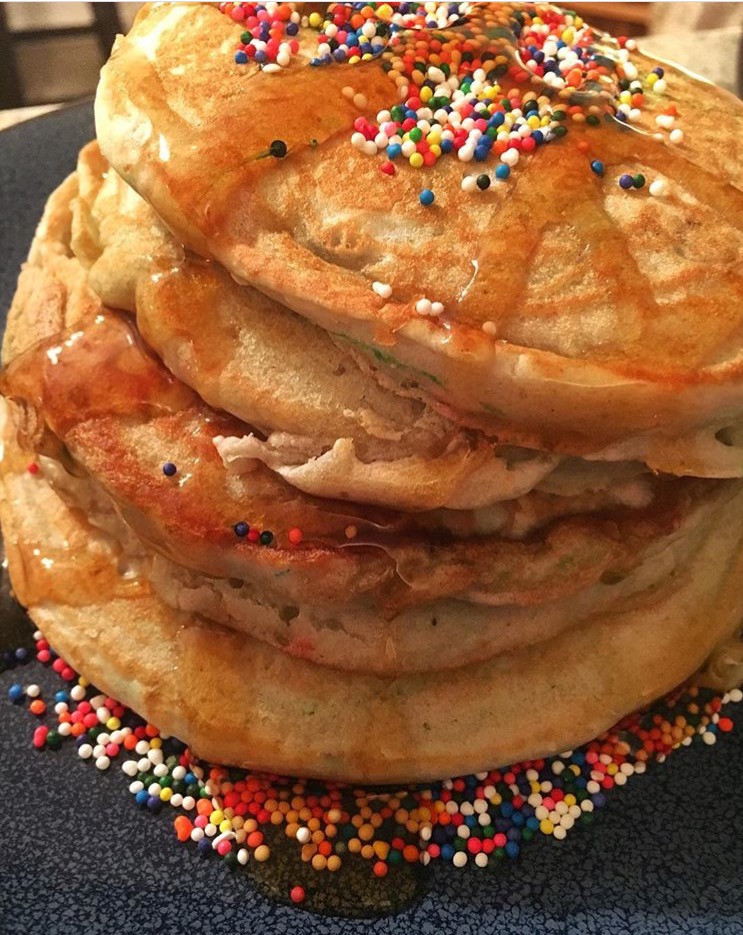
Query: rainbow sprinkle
column 242, row 816
column 472, row 80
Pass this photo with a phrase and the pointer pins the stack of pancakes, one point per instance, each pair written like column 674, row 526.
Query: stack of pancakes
column 257, row 491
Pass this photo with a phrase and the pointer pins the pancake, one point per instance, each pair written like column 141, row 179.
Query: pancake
column 596, row 348
column 237, row 700
column 123, row 428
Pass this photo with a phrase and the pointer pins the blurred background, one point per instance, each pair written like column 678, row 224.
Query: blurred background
column 51, row 52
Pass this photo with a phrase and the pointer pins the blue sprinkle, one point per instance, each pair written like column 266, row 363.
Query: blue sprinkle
column 502, row 172
column 61, row 696
column 241, row 58
column 471, row 821
column 241, row 530
column 142, row 797
column 538, row 137
column 481, row 153
column 169, row 469
column 447, row 851
column 339, row 55
column 154, row 803
column 16, row 693
column 426, row 197
column 204, row 847
column 626, row 181
column 394, row 150
column 260, row 56
column 658, row 71
column 446, row 146
column 292, row 29
column 21, row 655
column 597, row 166
column 512, row 849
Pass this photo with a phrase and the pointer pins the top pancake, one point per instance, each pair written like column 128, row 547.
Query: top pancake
column 616, row 315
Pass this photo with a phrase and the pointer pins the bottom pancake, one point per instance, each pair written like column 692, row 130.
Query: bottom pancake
column 237, row 700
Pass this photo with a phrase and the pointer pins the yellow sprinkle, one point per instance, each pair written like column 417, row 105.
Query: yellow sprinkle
column 166, row 794
column 426, row 94
column 546, row 826
column 416, row 160
column 113, row 723
column 315, row 20
column 216, row 816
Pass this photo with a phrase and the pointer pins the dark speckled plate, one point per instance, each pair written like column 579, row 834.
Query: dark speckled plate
column 665, row 856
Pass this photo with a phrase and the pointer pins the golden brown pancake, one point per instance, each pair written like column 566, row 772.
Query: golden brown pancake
column 237, row 700
column 596, row 343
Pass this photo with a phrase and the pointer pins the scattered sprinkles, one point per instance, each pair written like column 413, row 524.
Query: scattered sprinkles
column 474, row 81
column 240, row 816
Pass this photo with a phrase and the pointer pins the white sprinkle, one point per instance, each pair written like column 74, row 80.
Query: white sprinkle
column 676, row 136
column 129, row 767
column 381, row 141
column 437, row 308
column 33, row 691
column 620, row 779
column 510, row 157
column 304, row 835
column 358, row 140
column 154, row 788
column 179, row 772
column 197, row 834
column 586, row 805
column 630, row 71
column 360, row 102
column 189, row 803
column 736, row 695
column 559, row 833
column 425, row 858
column 102, row 762
column 408, row 148
column 77, row 693
column 143, row 765
column 98, row 750
column 634, row 115
column 665, row 120
column 348, row 92
column 370, row 148
column 436, row 74
column 142, row 747
column 484, row 819
column 463, row 831
column 660, row 86
column 210, row 830
column 155, row 755
column 38, row 635
column 160, row 770
column 176, row 800
column 480, row 806
column 243, row 856
column 136, row 786
column 481, row 860
column 541, row 812
column 383, row 289
column 630, row 44
column 425, row 833
column 709, row 738
column 64, row 730
column 460, row 858
column 657, row 188
column 283, row 59
column 271, row 68
column 466, row 153
column 423, row 307
column 469, row 183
